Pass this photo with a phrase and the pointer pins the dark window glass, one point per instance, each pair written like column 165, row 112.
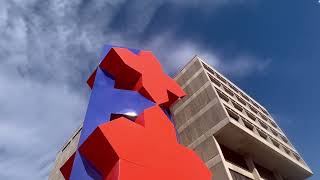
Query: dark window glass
column 233, row 157
column 237, row 176
column 264, row 172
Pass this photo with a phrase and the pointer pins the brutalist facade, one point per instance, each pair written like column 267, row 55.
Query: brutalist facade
column 236, row 137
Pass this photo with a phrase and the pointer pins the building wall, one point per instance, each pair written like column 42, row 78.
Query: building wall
column 216, row 108
column 217, row 115
column 199, row 115
column 63, row 155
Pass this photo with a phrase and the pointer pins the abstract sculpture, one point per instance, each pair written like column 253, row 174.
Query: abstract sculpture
column 127, row 132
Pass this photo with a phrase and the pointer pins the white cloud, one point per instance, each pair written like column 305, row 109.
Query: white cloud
column 35, row 120
column 244, row 65
column 47, row 50
column 174, row 55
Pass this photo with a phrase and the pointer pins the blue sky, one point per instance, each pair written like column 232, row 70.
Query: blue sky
column 271, row 49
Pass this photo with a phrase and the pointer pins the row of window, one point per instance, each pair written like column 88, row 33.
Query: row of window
column 237, row 176
column 242, row 101
column 242, row 109
column 234, row 89
column 68, row 143
column 265, row 126
column 261, row 133
column 239, row 160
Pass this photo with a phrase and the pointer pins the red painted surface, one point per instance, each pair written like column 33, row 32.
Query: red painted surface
column 67, row 167
column 145, row 149
column 91, row 79
column 142, row 73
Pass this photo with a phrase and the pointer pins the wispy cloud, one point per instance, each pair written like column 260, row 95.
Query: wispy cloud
column 244, row 65
column 35, row 119
column 48, row 49
column 174, row 54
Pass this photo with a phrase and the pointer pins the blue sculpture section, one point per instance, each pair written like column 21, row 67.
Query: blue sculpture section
column 104, row 101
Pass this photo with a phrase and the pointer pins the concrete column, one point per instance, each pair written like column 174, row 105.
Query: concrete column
column 269, row 140
column 277, row 176
column 252, row 167
column 255, row 131
column 241, row 121
column 225, row 173
column 282, row 148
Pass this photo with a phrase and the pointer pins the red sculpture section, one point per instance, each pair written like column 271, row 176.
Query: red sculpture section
column 67, row 167
column 142, row 73
column 145, row 149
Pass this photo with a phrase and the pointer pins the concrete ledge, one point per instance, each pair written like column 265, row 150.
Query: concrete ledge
column 197, row 115
column 209, row 133
column 215, row 160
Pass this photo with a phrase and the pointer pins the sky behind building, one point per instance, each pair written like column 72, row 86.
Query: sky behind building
column 49, row 48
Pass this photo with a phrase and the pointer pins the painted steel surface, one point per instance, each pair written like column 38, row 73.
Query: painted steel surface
column 127, row 132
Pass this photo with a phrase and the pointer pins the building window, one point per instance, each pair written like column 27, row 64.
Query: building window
column 263, row 125
column 233, row 114
column 228, row 90
column 208, row 68
column 233, row 157
column 256, row 105
column 221, row 78
column 264, row 117
column 223, row 96
column 296, row 156
column 214, row 80
column 241, row 100
column 273, row 124
column 237, row 176
column 250, row 115
column 284, row 139
column 274, row 132
column 286, row 150
column 248, row 125
column 274, row 142
column 264, row 172
column 237, row 106
column 253, row 109
column 245, row 96
column 264, row 111
column 262, row 134
column 232, row 87
column 77, row 133
column 66, row 146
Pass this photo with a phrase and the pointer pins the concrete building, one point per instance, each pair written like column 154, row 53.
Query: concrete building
column 233, row 134
column 63, row 155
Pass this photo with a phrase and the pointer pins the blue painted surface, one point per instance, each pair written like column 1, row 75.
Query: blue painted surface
column 79, row 170
column 104, row 100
